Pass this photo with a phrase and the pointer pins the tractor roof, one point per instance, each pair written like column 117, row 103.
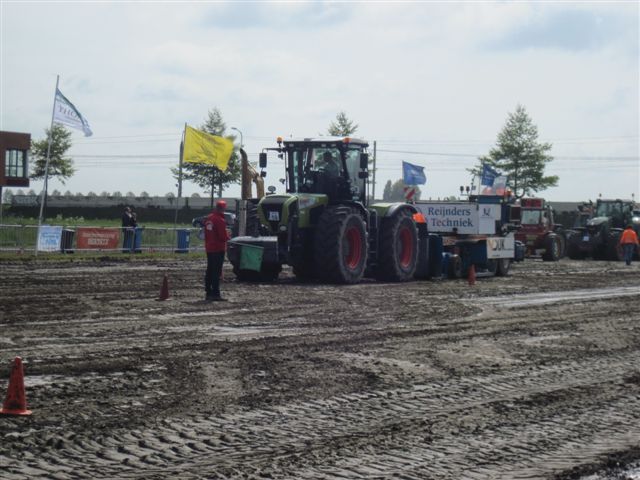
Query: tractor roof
column 321, row 140
column 612, row 200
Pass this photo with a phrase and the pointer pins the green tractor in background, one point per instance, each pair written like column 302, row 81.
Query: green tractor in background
column 600, row 236
column 323, row 226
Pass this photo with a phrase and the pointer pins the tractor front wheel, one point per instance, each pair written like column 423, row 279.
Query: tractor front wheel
column 398, row 248
column 340, row 248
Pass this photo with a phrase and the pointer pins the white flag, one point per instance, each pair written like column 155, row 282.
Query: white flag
column 66, row 113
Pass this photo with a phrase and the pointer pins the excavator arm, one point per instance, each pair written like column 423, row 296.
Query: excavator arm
column 250, row 175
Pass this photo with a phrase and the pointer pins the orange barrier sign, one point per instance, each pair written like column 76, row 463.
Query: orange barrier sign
column 98, row 238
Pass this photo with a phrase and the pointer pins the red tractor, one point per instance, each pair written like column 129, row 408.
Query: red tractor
column 540, row 235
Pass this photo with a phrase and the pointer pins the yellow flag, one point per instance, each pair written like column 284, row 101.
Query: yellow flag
column 200, row 147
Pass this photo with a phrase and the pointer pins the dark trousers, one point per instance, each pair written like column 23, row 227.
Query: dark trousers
column 628, row 249
column 214, row 271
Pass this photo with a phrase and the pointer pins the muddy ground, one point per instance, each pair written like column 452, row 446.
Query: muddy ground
column 536, row 375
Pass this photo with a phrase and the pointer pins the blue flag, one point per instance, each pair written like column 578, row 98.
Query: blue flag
column 488, row 175
column 413, row 174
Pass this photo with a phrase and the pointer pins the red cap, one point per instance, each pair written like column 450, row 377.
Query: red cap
column 221, row 204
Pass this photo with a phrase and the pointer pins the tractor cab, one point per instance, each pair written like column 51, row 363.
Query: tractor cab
column 335, row 167
column 332, row 166
column 538, row 231
column 618, row 213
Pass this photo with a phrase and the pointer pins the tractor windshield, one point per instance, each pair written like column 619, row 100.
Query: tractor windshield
column 531, row 217
column 307, row 162
column 609, row 209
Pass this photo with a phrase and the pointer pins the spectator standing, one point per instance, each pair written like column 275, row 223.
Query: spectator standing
column 128, row 224
column 215, row 241
column 629, row 243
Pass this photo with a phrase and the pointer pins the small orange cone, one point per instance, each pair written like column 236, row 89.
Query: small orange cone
column 472, row 275
column 16, row 401
column 164, row 290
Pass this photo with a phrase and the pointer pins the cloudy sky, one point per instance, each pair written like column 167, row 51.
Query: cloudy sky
column 432, row 83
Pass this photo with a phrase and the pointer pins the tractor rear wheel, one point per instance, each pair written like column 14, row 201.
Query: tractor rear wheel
column 340, row 247
column 398, row 248
column 552, row 248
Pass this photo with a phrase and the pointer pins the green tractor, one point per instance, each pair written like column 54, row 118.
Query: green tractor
column 323, row 227
column 600, row 236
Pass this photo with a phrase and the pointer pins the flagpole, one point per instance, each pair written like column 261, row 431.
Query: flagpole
column 175, row 219
column 46, row 165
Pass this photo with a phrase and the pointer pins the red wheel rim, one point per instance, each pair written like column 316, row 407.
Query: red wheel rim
column 354, row 247
column 406, row 247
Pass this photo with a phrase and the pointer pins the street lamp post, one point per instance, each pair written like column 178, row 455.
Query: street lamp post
column 242, row 211
column 241, row 141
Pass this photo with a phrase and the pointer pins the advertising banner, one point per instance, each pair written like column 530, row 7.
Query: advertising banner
column 460, row 217
column 463, row 218
column 98, row 238
column 49, row 238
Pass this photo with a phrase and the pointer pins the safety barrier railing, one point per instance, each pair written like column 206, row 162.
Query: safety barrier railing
column 80, row 238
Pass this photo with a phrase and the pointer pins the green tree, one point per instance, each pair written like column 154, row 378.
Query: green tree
column 210, row 177
column 60, row 165
column 386, row 193
column 519, row 155
column 342, row 126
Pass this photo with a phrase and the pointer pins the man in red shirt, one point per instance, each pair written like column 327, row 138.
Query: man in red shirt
column 215, row 244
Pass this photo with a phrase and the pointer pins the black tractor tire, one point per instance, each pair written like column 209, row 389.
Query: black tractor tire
column 563, row 243
column 552, row 248
column 398, row 248
column 454, row 268
column 614, row 249
column 340, row 246
column 504, row 264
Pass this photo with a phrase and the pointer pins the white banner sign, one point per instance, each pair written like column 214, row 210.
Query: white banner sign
column 460, row 217
column 501, row 247
column 49, row 238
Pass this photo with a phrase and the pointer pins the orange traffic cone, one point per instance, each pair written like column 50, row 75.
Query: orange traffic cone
column 16, row 401
column 164, row 290
column 472, row 275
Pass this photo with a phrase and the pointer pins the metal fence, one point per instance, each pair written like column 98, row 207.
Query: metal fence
column 71, row 239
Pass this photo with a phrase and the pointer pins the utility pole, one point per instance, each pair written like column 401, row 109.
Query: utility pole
column 373, row 189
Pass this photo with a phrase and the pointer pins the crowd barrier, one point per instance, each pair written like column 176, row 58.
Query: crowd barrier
column 72, row 239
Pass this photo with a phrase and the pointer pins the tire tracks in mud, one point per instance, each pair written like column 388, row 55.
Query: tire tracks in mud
column 560, row 404
column 369, row 431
